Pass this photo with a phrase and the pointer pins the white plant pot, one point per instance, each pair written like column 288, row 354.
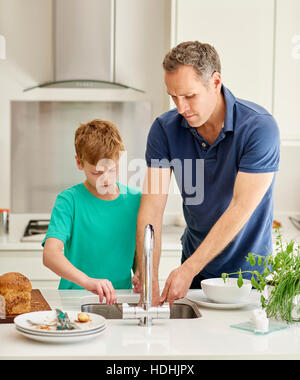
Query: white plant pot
column 267, row 291
column 295, row 314
column 296, row 309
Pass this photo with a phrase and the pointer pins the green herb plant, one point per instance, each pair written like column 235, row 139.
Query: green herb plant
column 281, row 271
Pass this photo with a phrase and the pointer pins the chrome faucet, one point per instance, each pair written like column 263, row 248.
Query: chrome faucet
column 147, row 266
column 147, row 312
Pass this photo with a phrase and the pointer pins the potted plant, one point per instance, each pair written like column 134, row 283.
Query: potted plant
column 280, row 275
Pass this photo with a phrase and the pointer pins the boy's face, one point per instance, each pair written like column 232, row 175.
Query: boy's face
column 103, row 176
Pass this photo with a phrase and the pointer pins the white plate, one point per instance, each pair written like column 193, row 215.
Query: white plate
column 54, row 332
column 46, row 317
column 58, row 333
column 199, row 298
column 61, row 339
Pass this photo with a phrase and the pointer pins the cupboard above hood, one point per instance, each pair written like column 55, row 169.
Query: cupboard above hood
column 83, row 45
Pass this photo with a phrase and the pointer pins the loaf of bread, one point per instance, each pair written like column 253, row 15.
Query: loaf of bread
column 16, row 290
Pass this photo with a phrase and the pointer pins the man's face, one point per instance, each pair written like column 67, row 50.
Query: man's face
column 102, row 176
column 194, row 100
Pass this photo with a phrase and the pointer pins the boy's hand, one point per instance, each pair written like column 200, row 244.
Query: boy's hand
column 103, row 288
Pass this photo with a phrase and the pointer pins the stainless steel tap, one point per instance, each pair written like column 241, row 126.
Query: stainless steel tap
column 147, row 268
column 147, row 312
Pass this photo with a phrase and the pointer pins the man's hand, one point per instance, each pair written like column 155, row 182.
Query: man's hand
column 136, row 282
column 155, row 294
column 177, row 284
column 103, row 288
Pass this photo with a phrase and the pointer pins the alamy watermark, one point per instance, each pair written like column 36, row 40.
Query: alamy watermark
column 189, row 175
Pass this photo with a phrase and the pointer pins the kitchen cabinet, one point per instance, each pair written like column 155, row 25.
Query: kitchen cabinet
column 287, row 68
column 137, row 42
column 141, row 41
column 243, row 34
column 29, row 263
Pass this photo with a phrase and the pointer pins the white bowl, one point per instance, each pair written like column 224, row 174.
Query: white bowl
column 226, row 292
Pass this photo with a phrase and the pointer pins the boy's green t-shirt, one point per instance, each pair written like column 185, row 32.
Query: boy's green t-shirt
column 98, row 235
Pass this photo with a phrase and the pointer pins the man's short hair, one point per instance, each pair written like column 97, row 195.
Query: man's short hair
column 96, row 140
column 202, row 56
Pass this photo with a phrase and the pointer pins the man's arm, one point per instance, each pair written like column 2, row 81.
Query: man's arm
column 153, row 202
column 249, row 189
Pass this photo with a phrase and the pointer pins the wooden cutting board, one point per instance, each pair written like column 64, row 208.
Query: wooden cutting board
column 38, row 303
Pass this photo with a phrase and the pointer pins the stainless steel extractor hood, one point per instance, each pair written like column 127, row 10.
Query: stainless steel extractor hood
column 84, row 45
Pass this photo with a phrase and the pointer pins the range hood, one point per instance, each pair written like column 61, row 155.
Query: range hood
column 83, row 45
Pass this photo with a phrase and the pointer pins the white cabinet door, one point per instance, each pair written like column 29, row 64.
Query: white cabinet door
column 141, row 41
column 30, row 264
column 287, row 68
column 242, row 32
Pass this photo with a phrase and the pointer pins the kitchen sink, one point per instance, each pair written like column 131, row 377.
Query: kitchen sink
column 180, row 310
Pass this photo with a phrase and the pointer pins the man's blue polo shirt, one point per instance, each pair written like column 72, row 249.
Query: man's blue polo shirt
column 248, row 142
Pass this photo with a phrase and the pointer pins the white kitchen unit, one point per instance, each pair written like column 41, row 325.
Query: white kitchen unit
column 207, row 337
column 287, row 69
column 27, row 258
column 242, row 33
column 141, row 41
column 286, row 191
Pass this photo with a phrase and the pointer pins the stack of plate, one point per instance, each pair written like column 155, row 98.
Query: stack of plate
column 45, row 333
column 200, row 299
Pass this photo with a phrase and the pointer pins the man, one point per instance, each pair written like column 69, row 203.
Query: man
column 238, row 143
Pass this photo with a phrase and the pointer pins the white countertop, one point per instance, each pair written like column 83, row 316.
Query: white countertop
column 171, row 235
column 170, row 238
column 209, row 337
column 170, row 241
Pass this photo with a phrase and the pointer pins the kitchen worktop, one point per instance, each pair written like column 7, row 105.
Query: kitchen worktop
column 209, row 337
column 170, row 241
column 171, row 235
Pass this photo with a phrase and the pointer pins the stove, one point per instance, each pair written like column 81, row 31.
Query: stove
column 35, row 230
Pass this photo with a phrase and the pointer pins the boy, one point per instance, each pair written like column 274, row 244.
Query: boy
column 94, row 222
